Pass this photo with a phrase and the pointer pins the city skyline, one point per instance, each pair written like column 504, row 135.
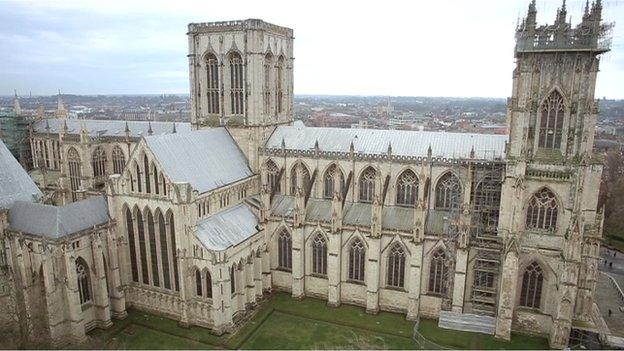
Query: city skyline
column 134, row 48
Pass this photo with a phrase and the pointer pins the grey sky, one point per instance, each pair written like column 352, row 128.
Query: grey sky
column 414, row 48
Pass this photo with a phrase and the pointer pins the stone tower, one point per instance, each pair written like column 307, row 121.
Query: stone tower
column 241, row 75
column 549, row 219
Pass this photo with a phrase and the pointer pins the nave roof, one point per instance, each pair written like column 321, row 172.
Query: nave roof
column 377, row 142
column 110, row 128
column 208, row 159
column 57, row 221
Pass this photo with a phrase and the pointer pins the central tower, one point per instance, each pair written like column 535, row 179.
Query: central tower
column 241, row 75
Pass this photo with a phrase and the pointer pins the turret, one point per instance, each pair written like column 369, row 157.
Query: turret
column 17, row 108
column 61, row 112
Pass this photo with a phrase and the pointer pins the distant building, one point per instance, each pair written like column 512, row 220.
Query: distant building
column 14, row 132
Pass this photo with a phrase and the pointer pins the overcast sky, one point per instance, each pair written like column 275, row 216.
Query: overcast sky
column 409, row 48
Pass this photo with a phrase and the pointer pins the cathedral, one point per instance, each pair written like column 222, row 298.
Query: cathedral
column 199, row 221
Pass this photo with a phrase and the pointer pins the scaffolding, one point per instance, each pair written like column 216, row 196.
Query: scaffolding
column 486, row 196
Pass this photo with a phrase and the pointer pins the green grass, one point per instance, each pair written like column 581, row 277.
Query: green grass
column 465, row 340
column 285, row 331
column 615, row 241
column 285, row 323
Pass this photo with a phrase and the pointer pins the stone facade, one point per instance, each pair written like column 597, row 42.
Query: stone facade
column 395, row 222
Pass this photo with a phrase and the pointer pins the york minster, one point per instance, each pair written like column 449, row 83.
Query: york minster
column 202, row 222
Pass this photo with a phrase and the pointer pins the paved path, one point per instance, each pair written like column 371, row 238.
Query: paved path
column 607, row 299
column 613, row 264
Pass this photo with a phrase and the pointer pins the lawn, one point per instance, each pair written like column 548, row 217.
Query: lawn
column 284, row 323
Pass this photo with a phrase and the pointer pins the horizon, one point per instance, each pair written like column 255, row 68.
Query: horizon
column 118, row 48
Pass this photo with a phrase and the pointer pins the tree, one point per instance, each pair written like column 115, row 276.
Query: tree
column 611, row 194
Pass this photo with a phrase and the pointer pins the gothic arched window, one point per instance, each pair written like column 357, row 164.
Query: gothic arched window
column 532, row 281
column 407, row 188
column 98, row 161
column 551, row 121
column 143, row 246
column 319, row 255
column 174, row 259
column 268, row 66
column 164, row 250
column 84, row 284
column 232, row 279
column 212, row 86
column 198, row 282
column 272, row 177
column 367, row 185
column 305, row 178
column 396, row 266
column 448, row 192
column 279, row 84
column 156, row 179
column 119, row 160
column 486, row 202
column 236, row 83
column 357, row 256
column 542, row 211
column 208, row 285
column 438, row 273
column 138, row 177
column 329, row 182
column 75, row 173
column 151, row 230
column 148, row 188
column 284, row 250
column 131, row 245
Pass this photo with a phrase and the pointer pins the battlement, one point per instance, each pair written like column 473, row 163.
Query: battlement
column 590, row 35
column 238, row 25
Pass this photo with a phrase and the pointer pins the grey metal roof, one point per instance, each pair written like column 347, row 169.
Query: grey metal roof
column 110, row 128
column 283, row 205
column 438, row 221
column 357, row 214
column 227, row 228
column 58, row 221
column 398, row 218
column 15, row 183
column 319, row 210
column 208, row 159
column 376, row 141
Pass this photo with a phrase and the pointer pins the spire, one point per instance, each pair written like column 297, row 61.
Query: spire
column 531, row 18
column 429, row 152
column 174, row 128
column 598, row 12
column 149, row 130
column 562, row 13
column 61, row 112
column 586, row 13
column 17, row 108
column 65, row 128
